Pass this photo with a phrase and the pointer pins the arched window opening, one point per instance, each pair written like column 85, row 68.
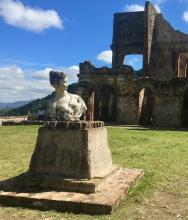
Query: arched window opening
column 145, row 106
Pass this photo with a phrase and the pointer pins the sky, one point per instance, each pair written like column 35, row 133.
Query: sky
column 37, row 36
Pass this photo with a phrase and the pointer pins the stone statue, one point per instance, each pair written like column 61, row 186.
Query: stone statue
column 66, row 106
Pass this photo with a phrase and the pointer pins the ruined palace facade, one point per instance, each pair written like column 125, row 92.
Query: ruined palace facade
column 159, row 95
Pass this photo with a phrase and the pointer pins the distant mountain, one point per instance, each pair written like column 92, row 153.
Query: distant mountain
column 31, row 107
column 12, row 105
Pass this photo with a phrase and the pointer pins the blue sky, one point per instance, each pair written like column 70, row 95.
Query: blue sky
column 40, row 35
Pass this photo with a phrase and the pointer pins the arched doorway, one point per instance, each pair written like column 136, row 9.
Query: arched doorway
column 145, row 106
column 107, row 104
column 185, row 109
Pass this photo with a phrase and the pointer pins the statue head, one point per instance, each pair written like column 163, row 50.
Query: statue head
column 58, row 80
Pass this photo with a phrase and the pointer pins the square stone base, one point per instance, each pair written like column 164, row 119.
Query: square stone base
column 101, row 202
column 60, row 183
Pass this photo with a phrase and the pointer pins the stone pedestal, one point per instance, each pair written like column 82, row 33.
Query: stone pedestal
column 70, row 170
column 72, row 150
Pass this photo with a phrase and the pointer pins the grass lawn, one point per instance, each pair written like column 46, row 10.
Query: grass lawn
column 161, row 194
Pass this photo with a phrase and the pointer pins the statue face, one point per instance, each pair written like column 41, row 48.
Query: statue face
column 64, row 83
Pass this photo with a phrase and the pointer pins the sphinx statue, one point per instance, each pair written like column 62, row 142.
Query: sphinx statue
column 65, row 106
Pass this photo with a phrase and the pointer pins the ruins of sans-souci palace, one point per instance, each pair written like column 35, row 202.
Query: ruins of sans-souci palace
column 157, row 94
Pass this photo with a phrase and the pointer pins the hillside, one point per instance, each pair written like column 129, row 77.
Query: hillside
column 31, row 107
column 35, row 105
column 12, row 105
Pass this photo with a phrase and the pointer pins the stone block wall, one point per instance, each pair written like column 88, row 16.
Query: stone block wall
column 127, row 110
column 167, row 111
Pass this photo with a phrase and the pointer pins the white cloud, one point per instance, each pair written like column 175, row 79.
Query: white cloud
column 71, row 71
column 15, row 89
column 26, row 84
column 133, row 61
column 136, row 61
column 185, row 16
column 15, row 13
column 133, row 7
column 157, row 7
column 105, row 56
column 12, row 71
column 42, row 74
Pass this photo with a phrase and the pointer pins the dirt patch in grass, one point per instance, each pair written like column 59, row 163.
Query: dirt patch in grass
column 168, row 201
column 163, row 204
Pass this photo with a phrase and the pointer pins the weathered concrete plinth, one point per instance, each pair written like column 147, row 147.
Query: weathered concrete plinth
column 70, row 170
column 76, row 150
column 101, row 202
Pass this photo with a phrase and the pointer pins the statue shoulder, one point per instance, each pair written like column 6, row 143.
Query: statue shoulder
column 73, row 96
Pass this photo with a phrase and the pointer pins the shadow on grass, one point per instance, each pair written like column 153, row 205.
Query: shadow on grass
column 16, row 185
column 144, row 128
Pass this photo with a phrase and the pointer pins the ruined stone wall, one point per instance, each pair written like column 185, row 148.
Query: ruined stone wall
column 98, row 82
column 128, row 36
column 167, row 101
column 162, row 54
column 167, row 95
column 167, row 111
column 167, row 44
column 164, row 77
column 148, row 33
column 127, row 110
column 129, row 28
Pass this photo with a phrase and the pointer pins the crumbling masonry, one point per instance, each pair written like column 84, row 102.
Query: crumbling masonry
column 159, row 95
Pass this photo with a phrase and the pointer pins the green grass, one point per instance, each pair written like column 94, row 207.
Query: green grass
column 162, row 154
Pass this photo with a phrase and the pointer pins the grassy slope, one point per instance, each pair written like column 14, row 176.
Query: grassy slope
column 162, row 154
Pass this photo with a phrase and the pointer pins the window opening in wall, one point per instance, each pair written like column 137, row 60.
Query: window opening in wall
column 136, row 61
